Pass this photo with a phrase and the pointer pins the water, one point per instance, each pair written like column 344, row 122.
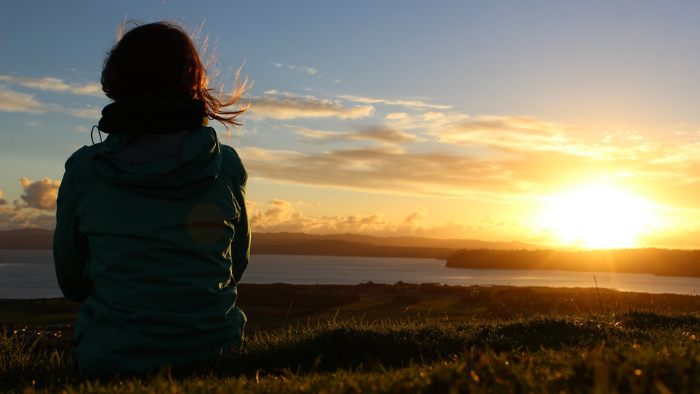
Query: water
column 30, row 274
column 27, row 274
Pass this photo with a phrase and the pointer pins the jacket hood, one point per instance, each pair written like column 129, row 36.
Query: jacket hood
column 196, row 162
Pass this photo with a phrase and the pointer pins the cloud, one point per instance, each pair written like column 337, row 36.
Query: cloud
column 282, row 216
column 406, row 103
column 34, row 124
column 379, row 134
column 430, row 121
column 668, row 175
column 55, row 85
column 40, row 194
column 36, row 207
column 494, row 158
column 12, row 101
column 384, row 169
column 290, row 106
column 302, row 69
column 506, row 132
column 13, row 219
column 416, row 218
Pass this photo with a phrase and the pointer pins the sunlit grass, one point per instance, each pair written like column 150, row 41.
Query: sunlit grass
column 635, row 351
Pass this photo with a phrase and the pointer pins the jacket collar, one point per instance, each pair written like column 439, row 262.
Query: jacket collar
column 154, row 113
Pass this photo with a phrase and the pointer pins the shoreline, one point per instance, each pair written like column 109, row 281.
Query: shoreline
column 404, row 283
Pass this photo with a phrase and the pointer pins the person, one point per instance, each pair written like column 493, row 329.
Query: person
column 152, row 234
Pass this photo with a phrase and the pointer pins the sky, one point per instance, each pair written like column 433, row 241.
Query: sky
column 549, row 122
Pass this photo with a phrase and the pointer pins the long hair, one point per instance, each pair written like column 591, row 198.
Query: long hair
column 161, row 57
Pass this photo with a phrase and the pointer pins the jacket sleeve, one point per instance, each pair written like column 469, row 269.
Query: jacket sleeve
column 240, row 246
column 70, row 248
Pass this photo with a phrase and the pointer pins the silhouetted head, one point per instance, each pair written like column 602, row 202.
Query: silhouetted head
column 154, row 58
column 158, row 58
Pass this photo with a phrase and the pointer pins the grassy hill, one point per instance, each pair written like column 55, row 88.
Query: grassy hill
column 634, row 352
column 399, row 339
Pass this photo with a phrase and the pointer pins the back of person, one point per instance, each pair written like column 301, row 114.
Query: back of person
column 152, row 233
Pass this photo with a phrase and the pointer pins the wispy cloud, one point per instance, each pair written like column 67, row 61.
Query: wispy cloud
column 531, row 163
column 284, row 105
column 406, row 103
column 12, row 101
column 506, row 132
column 383, row 169
column 485, row 157
column 55, row 85
column 303, row 69
column 379, row 134
column 430, row 121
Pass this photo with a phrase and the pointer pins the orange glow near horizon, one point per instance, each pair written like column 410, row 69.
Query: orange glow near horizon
column 599, row 216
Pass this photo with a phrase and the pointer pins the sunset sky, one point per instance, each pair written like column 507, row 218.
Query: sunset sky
column 550, row 122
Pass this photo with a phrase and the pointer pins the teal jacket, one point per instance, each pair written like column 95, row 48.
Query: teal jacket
column 154, row 250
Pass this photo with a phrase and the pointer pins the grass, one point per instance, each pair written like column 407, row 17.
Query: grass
column 273, row 306
column 401, row 339
column 636, row 351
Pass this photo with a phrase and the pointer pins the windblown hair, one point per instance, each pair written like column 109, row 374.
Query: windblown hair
column 162, row 58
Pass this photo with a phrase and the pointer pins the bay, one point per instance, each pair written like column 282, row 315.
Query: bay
column 28, row 274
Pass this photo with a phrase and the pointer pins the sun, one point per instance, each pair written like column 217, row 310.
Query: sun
column 598, row 216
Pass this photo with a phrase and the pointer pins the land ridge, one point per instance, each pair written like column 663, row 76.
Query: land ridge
column 302, row 243
column 458, row 253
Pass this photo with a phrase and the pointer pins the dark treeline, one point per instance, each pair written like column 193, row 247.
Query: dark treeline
column 668, row 262
column 283, row 243
column 319, row 247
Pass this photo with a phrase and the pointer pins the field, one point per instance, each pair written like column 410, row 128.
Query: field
column 401, row 339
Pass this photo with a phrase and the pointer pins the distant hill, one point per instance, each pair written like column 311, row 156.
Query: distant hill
column 331, row 247
column 309, row 244
column 26, row 238
column 284, row 238
column 668, row 262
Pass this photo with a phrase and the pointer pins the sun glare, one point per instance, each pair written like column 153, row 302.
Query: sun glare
column 598, row 216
